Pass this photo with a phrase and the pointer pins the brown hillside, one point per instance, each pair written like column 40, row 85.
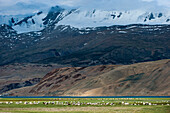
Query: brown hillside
column 17, row 75
column 149, row 78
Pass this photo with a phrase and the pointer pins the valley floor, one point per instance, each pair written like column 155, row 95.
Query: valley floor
column 139, row 109
column 105, row 105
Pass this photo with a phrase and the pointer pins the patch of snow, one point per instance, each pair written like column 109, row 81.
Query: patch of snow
column 36, row 40
column 64, row 28
column 145, row 27
column 111, row 32
column 122, row 32
column 42, row 38
column 81, row 32
column 131, row 27
column 85, row 44
column 101, row 33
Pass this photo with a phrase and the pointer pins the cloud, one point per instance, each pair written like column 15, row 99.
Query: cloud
column 147, row 0
column 28, row 6
column 21, row 7
column 165, row 3
column 122, row 4
column 117, row 4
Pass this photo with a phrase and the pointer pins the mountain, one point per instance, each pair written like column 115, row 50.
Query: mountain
column 95, row 18
column 99, row 50
column 141, row 79
column 92, row 46
column 17, row 75
column 24, row 23
column 82, row 18
column 35, row 21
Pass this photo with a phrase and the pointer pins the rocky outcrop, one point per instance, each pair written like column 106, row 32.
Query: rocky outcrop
column 16, row 85
column 22, row 75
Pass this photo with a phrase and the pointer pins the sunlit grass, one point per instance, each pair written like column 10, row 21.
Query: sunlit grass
column 162, row 105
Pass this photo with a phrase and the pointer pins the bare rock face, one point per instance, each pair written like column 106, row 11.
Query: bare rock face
column 148, row 78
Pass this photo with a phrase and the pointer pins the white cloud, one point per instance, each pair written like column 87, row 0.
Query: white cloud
column 147, row 0
column 123, row 4
column 165, row 3
column 7, row 6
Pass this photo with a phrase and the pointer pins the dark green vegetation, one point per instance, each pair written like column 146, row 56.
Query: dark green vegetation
column 104, row 45
column 70, row 105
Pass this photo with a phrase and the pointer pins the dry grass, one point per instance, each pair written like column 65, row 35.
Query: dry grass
column 124, row 109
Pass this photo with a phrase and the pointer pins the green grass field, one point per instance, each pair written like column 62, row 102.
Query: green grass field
column 85, row 105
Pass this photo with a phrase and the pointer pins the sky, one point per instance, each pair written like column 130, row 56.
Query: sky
column 30, row 6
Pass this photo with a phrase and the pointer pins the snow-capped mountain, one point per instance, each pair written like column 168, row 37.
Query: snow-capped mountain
column 82, row 18
column 24, row 23
column 96, row 18
column 35, row 21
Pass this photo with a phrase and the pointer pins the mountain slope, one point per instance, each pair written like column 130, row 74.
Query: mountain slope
column 149, row 78
column 15, row 76
column 103, row 45
column 95, row 18
column 35, row 21
column 82, row 18
column 24, row 23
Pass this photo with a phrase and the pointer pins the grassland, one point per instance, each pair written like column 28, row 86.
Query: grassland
column 85, row 105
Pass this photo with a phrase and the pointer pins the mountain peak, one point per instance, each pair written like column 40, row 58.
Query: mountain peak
column 82, row 18
column 56, row 9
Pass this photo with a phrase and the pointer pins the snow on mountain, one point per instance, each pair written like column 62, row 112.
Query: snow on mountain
column 82, row 18
column 24, row 23
column 96, row 18
column 56, row 14
column 34, row 23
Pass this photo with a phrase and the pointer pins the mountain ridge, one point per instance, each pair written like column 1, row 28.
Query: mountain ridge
column 90, row 46
column 81, row 18
column 96, row 52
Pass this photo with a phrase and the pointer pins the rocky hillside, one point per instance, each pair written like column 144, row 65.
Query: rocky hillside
column 15, row 76
column 91, row 46
column 149, row 78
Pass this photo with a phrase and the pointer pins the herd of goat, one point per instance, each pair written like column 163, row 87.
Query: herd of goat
column 74, row 103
